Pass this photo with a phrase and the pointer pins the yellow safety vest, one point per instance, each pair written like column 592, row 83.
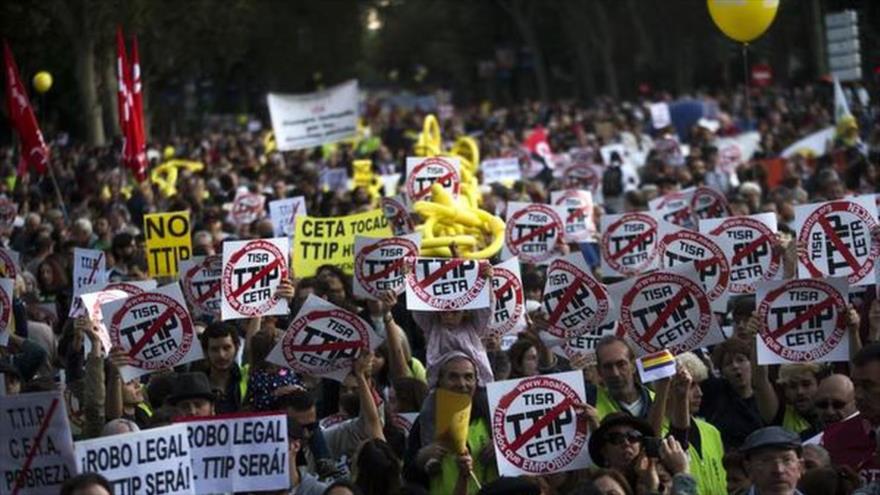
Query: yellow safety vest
column 479, row 436
column 605, row 404
column 793, row 421
column 706, row 466
column 143, row 406
column 243, row 382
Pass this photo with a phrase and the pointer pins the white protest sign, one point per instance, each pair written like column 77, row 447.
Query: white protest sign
column 441, row 284
column 154, row 328
column 628, row 244
column 533, row 231
column 660, row 116
column 748, row 244
column 802, row 320
column 837, row 237
column 579, row 223
column 247, row 207
column 580, row 175
column 312, row 119
column 666, row 310
column 508, row 315
column 36, row 447
column 237, row 453
column 699, row 252
column 200, row 281
column 8, row 212
column 422, row 173
column 378, row 264
column 676, row 208
column 709, row 203
column 9, row 263
column 7, row 287
column 283, row 213
column 89, row 268
column 396, row 212
column 575, row 302
column 584, row 346
column 535, row 427
column 252, row 271
column 501, row 170
column 148, row 461
column 95, row 296
column 323, row 340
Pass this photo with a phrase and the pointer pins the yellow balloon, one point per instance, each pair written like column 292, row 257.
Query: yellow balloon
column 743, row 20
column 42, row 81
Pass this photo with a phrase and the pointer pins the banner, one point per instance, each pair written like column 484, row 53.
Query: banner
column 200, row 281
column 579, row 223
column 441, row 284
column 422, row 173
column 535, row 427
column 33, row 151
column 236, row 453
column 252, row 271
column 837, row 236
column 154, row 328
column 148, row 461
column 169, row 240
column 748, row 244
column 397, row 214
column 629, row 244
column 95, row 296
column 509, row 309
column 378, row 264
column 9, row 260
column 283, row 213
column 330, row 240
column 698, row 252
column 676, row 207
column 709, row 203
column 312, row 119
column 247, row 208
column 89, row 268
column 815, row 144
column 533, row 231
column 323, row 340
column 36, row 447
column 575, row 302
column 501, row 170
column 803, row 320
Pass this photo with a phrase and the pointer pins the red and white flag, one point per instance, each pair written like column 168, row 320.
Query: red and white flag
column 34, row 152
column 130, row 101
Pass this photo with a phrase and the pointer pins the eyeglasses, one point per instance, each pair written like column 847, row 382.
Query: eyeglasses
column 618, row 438
column 787, row 461
column 836, row 404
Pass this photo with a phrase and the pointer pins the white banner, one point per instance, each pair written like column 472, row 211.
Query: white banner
column 503, row 170
column 676, row 207
column 312, row 119
column 89, row 268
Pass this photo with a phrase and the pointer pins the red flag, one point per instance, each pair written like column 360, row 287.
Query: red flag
column 139, row 145
column 127, row 112
column 536, row 143
column 34, row 151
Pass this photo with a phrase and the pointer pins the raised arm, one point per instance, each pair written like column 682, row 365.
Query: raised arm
column 363, row 368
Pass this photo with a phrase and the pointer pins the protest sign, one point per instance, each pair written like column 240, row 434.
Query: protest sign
column 8, row 212
column 397, row 214
column 584, row 346
column 579, row 175
column 89, row 268
column 323, row 340
column 734, row 151
column 535, row 427
column 152, row 461
column 7, row 286
column 629, row 243
column 579, row 223
column 422, row 173
column 660, row 116
column 95, row 296
column 252, row 271
column 440, row 284
column 656, row 366
column 312, row 119
column 330, row 240
column 168, row 241
column 666, row 310
column 699, row 252
column 533, row 231
column 283, row 213
column 613, row 152
column 575, row 302
column 333, row 179
column 154, row 328
column 501, row 170
column 837, row 237
column 238, row 453
column 200, row 281
column 508, row 315
column 676, row 208
column 378, row 264
column 748, row 244
column 802, row 320
column 8, row 263
column 247, row 207
column 36, row 447
column 404, row 421
column 709, row 203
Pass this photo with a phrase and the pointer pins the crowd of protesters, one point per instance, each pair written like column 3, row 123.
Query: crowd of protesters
column 726, row 424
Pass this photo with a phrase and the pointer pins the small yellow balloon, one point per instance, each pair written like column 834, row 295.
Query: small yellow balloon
column 42, row 81
column 168, row 152
column 743, row 20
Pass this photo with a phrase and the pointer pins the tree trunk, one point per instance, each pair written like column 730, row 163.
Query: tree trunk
column 573, row 20
column 523, row 23
column 110, row 91
column 606, row 47
column 85, row 79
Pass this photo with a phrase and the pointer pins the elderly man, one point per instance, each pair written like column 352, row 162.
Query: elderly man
column 615, row 363
column 834, row 401
column 773, row 460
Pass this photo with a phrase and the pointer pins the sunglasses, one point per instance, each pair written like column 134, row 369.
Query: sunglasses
column 836, row 404
column 618, row 438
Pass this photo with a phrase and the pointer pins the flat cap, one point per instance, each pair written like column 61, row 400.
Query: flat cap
column 771, row 437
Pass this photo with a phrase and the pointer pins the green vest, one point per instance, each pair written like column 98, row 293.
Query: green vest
column 706, row 469
column 479, row 436
column 605, row 404
column 793, row 421
column 243, row 382
column 143, row 406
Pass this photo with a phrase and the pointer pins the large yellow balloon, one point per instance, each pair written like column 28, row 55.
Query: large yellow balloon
column 743, row 20
column 42, row 81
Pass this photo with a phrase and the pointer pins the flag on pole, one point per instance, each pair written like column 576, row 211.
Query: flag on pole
column 140, row 147
column 130, row 109
column 34, row 152
column 841, row 107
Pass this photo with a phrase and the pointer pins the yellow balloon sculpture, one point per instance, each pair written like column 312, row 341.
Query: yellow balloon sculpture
column 42, row 81
column 165, row 175
column 743, row 20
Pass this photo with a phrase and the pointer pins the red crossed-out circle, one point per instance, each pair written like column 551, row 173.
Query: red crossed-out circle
column 764, row 236
column 508, row 282
column 228, row 270
column 292, row 350
column 581, row 279
column 770, row 336
column 613, row 259
column 511, row 449
column 514, row 244
column 581, row 174
column 172, row 308
column 8, row 209
column 8, row 265
column 418, row 285
column 397, row 215
column 450, row 173
column 247, row 207
column 717, row 258
column 818, row 219
column 715, row 207
column 201, row 302
column 5, row 308
column 369, row 282
column 686, row 287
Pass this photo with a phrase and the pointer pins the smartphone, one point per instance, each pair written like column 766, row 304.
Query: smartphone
column 652, row 447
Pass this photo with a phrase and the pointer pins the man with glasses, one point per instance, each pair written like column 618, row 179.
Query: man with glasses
column 621, row 392
column 834, row 401
column 773, row 459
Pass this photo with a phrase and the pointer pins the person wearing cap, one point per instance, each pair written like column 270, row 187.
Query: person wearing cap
column 192, row 394
column 774, row 461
